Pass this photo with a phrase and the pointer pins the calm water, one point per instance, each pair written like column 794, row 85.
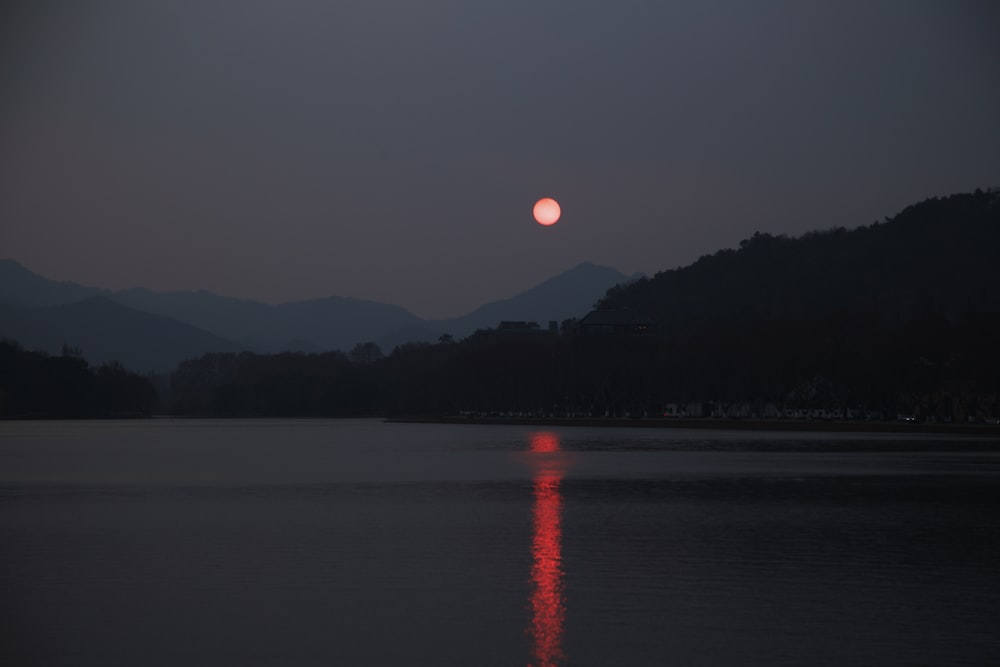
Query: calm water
column 363, row 543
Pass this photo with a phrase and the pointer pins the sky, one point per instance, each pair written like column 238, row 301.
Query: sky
column 392, row 150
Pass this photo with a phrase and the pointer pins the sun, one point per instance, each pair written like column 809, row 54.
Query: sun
column 547, row 211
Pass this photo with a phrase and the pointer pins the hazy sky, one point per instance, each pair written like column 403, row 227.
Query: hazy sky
column 392, row 150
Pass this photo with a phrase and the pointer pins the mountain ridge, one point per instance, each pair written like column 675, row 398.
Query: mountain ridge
column 940, row 255
column 310, row 325
column 105, row 330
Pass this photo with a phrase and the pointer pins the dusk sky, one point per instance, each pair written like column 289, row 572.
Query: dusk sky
column 393, row 150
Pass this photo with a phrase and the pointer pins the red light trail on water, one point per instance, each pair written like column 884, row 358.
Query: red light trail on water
column 547, row 605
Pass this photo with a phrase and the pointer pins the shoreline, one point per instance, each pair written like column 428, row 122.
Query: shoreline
column 783, row 425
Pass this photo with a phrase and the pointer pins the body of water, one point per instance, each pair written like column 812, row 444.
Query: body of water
column 289, row 542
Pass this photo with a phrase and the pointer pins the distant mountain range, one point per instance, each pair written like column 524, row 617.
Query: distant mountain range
column 108, row 331
column 147, row 330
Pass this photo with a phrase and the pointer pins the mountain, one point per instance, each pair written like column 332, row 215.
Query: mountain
column 940, row 257
column 311, row 325
column 572, row 293
column 235, row 319
column 21, row 287
column 108, row 331
column 318, row 324
column 901, row 316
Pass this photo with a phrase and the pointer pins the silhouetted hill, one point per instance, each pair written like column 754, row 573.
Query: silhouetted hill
column 572, row 293
column 108, row 331
column 940, row 257
column 899, row 316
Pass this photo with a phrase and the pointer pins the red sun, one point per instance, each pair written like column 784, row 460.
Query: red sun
column 547, row 211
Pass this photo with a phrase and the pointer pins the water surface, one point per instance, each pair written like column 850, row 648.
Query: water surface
column 358, row 542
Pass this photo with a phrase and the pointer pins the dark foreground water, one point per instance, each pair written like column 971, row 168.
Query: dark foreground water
column 362, row 543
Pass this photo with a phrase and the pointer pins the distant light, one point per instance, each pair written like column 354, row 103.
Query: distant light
column 547, row 211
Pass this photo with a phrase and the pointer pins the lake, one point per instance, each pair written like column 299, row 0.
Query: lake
column 287, row 542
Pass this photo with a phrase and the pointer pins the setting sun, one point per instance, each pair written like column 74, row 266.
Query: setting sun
column 547, row 211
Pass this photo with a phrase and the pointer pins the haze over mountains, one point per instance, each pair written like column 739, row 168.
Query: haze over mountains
column 147, row 330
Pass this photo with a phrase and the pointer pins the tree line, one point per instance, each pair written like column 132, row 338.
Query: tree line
column 34, row 384
column 927, row 367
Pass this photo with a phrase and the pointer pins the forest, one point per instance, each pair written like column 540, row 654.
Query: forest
column 39, row 386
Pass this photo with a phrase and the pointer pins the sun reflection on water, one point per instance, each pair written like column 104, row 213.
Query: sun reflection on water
column 547, row 604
